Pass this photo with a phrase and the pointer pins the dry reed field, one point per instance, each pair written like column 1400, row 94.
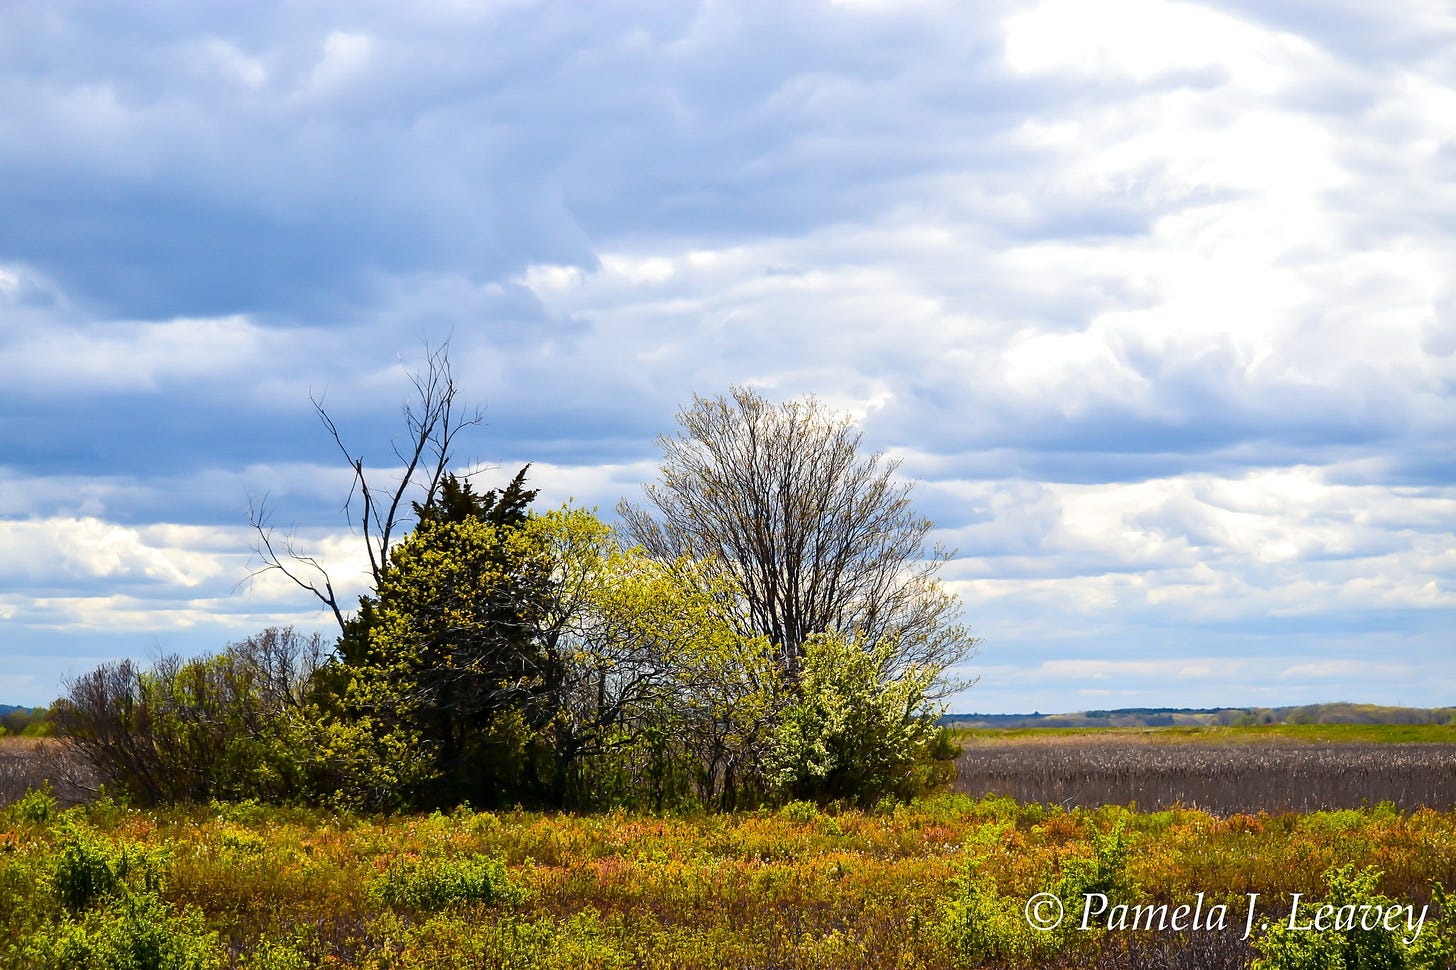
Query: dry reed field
column 1241, row 775
column 28, row 763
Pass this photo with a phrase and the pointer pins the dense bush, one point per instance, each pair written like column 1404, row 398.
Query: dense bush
column 138, row 932
column 436, row 883
column 89, row 869
column 1352, row 946
column 852, row 731
column 235, row 725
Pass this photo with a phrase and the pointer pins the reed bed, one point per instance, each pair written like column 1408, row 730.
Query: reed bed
column 1223, row 779
column 31, row 763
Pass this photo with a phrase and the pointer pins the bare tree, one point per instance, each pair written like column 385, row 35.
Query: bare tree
column 433, row 420
column 818, row 538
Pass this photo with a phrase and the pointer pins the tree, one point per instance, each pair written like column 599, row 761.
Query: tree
column 432, row 422
column 817, row 538
column 453, row 646
column 851, row 733
column 531, row 658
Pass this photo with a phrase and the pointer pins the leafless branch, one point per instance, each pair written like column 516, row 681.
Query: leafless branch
column 433, row 421
column 818, row 537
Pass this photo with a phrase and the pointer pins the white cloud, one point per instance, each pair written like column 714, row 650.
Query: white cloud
column 133, row 356
column 345, row 57
column 1142, row 39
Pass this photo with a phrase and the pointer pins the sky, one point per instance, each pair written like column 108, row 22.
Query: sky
column 1151, row 300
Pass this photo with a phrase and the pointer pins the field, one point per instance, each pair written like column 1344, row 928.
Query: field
column 1222, row 770
column 801, row 886
column 27, row 763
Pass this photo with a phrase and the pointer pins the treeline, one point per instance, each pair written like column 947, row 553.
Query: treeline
column 790, row 648
column 28, row 722
column 516, row 658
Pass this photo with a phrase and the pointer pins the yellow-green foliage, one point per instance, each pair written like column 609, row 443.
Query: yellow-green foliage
column 851, row 731
column 1286, row 946
column 437, row 883
column 908, row 886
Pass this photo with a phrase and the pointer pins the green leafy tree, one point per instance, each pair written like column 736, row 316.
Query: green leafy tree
column 448, row 654
column 533, row 659
column 658, row 673
column 853, row 732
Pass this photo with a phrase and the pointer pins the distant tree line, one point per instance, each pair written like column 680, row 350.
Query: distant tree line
column 28, row 722
column 769, row 628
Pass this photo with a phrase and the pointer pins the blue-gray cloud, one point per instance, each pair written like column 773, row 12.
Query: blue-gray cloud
column 1153, row 303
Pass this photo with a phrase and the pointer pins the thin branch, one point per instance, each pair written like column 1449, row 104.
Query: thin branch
column 432, row 422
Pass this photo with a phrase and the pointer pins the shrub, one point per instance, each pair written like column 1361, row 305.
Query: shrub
column 1352, row 946
column 87, row 868
column 37, row 806
column 853, row 732
column 230, row 726
column 139, row 933
column 435, row 883
column 982, row 925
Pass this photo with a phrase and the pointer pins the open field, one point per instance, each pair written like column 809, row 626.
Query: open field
column 796, row 887
column 1221, row 770
column 258, row 888
column 1251, row 734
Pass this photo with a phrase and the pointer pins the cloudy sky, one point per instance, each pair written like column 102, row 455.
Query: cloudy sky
column 1154, row 300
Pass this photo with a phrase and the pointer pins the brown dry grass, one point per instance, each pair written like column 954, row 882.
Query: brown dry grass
column 1272, row 774
column 27, row 763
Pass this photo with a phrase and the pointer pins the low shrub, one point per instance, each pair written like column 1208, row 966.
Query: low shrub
column 436, row 883
column 138, row 933
column 1349, row 942
column 87, row 868
column 35, row 807
column 982, row 924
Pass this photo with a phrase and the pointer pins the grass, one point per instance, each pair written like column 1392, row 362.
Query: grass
column 1223, row 770
column 29, row 763
column 791, row 888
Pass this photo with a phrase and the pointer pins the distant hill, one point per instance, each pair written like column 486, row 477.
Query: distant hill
column 1341, row 713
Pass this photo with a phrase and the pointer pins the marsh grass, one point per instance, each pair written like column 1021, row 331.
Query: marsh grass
column 27, row 764
column 1222, row 771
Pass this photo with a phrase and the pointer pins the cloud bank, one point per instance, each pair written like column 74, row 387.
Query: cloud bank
column 1154, row 304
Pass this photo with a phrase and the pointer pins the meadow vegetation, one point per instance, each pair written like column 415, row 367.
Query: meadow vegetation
column 937, row 882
